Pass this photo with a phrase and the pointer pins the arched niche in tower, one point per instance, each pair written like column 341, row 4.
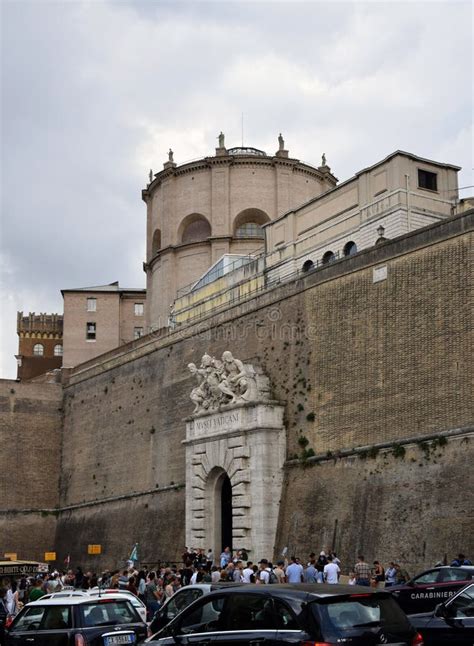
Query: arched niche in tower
column 248, row 223
column 194, row 228
column 156, row 242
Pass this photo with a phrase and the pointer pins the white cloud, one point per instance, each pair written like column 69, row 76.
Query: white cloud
column 94, row 94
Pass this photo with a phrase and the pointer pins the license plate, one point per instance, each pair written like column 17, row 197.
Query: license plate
column 112, row 640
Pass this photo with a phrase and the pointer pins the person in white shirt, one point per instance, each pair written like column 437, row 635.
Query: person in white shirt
column 331, row 571
column 247, row 573
column 264, row 574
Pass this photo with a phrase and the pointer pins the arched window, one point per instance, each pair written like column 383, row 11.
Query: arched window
column 248, row 223
column 308, row 265
column 156, row 242
column 58, row 350
column 195, row 228
column 328, row 257
column 38, row 350
column 350, row 248
column 249, row 230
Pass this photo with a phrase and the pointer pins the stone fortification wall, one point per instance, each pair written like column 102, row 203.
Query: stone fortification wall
column 358, row 362
column 397, row 503
column 30, row 441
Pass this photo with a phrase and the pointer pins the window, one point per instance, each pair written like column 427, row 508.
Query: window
column 249, row 230
column 139, row 308
column 328, row 257
column 350, row 248
column 137, row 332
column 90, row 331
column 58, row 350
column 181, row 601
column 30, row 619
column 56, row 618
column 108, row 612
column 427, row 180
column 206, row 617
column 91, row 304
column 308, row 265
column 250, row 612
column 38, row 350
column 196, row 229
column 463, row 605
column 285, row 618
column 428, row 577
column 450, row 574
column 156, row 242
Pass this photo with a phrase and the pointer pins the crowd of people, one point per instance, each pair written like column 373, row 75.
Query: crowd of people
column 154, row 586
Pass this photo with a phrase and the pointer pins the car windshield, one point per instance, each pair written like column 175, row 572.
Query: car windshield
column 108, row 612
column 358, row 611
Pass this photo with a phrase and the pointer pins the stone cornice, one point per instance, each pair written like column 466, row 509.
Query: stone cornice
column 170, row 248
column 208, row 163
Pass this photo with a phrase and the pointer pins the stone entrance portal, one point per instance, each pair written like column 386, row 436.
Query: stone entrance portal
column 235, row 451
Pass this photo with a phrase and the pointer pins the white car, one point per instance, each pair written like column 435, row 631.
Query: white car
column 120, row 594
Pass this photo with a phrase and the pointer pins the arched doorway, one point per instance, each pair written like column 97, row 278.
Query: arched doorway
column 218, row 510
column 226, row 513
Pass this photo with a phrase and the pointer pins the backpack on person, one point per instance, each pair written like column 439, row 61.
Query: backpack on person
column 272, row 577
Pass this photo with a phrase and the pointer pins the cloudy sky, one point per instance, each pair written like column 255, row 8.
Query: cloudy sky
column 94, row 93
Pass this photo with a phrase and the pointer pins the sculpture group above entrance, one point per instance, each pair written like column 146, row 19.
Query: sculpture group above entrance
column 225, row 381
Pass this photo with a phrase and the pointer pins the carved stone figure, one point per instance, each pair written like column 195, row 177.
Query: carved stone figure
column 323, row 160
column 170, row 155
column 281, row 142
column 221, row 140
column 150, row 175
column 234, row 383
column 198, row 394
column 222, row 382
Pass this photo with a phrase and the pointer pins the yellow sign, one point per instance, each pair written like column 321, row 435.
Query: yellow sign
column 94, row 549
column 13, row 556
column 50, row 556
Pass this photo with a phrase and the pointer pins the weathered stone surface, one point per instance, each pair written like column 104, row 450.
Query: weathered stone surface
column 357, row 363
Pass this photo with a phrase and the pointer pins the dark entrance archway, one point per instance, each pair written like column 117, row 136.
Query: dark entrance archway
column 226, row 513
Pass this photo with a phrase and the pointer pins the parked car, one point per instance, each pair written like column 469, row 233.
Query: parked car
column 452, row 621
column 122, row 594
column 426, row 590
column 77, row 621
column 181, row 600
column 291, row 614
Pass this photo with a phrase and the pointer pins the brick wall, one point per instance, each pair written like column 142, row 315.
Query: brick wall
column 357, row 363
column 30, row 440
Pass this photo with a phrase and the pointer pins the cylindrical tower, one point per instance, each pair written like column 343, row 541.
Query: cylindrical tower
column 204, row 209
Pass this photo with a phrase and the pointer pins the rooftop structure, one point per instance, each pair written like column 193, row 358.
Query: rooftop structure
column 203, row 210
column 100, row 318
column 40, row 344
